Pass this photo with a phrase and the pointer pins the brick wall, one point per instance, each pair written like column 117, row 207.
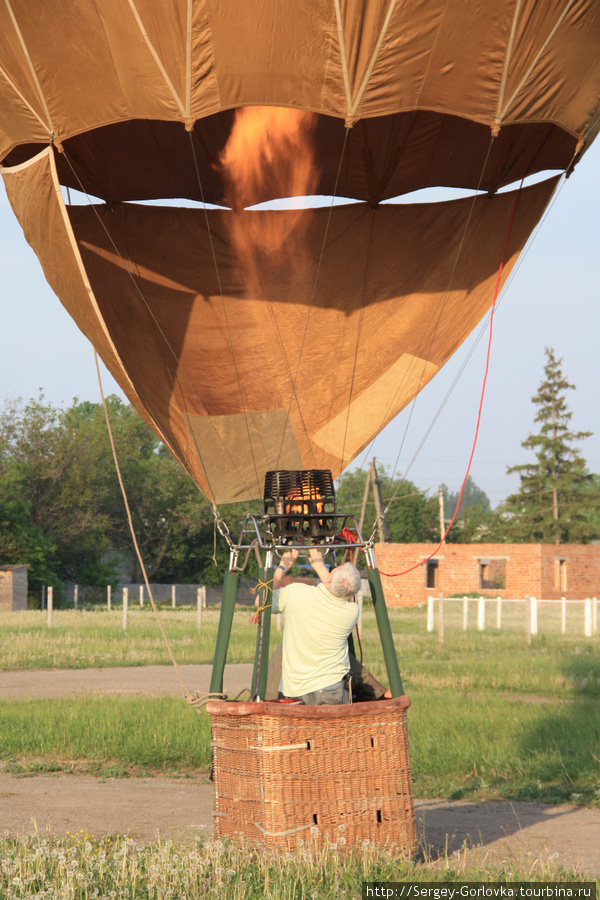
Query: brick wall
column 500, row 570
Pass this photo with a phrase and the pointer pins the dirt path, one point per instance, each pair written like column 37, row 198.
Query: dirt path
column 181, row 808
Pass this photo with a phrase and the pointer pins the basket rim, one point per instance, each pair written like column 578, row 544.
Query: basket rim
column 367, row 709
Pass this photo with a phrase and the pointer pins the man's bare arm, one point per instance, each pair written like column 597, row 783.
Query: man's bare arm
column 315, row 558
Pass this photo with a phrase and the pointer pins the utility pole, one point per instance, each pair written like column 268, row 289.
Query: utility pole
column 382, row 524
column 442, row 521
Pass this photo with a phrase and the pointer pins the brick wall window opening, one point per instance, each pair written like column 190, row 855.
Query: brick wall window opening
column 492, row 574
column 432, row 573
column 560, row 574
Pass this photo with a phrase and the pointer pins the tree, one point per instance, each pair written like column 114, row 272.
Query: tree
column 557, row 495
column 476, row 522
column 61, row 508
column 472, row 496
column 412, row 514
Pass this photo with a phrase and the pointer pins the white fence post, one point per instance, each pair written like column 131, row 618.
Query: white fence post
column 563, row 615
column 533, row 609
column 465, row 613
column 75, row 596
column 200, row 604
column 499, row 613
column 141, row 596
column 173, row 597
column 125, row 604
column 109, row 597
column 588, row 617
column 528, row 619
column 481, row 614
column 430, row 612
column 50, row 604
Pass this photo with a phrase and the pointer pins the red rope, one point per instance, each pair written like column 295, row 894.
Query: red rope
column 351, row 538
column 487, row 366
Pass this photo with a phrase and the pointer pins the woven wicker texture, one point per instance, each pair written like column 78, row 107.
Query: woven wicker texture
column 313, row 773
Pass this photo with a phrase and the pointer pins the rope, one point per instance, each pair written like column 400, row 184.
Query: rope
column 132, row 530
column 175, row 382
column 438, row 316
column 487, row 365
column 267, row 585
column 217, row 273
column 314, row 290
column 358, row 333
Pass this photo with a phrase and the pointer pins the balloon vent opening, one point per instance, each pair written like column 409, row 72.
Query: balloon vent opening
column 300, row 504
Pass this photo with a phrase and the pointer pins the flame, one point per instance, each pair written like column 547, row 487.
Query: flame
column 295, row 504
column 269, row 154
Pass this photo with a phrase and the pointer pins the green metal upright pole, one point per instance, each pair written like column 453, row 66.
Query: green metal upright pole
column 230, row 591
column 260, row 674
column 385, row 633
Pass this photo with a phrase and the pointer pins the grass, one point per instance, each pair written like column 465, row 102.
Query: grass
column 491, row 716
column 80, row 866
column 95, row 638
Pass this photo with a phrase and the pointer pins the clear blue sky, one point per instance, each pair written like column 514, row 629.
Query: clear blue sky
column 553, row 299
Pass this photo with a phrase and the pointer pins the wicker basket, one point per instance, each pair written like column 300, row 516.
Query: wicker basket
column 288, row 773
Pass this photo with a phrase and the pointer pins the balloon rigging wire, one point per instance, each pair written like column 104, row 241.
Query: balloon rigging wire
column 229, row 335
column 358, row 331
column 435, row 321
column 483, row 387
column 139, row 291
column 531, row 163
column 495, row 304
column 186, row 692
column 437, row 315
column 484, row 327
column 316, row 279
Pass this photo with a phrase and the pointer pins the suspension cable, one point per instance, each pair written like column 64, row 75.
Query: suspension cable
column 186, row 692
column 483, row 387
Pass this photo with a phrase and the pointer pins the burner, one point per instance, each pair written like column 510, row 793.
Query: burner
column 300, row 505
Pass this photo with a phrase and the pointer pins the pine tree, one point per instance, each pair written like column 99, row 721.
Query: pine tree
column 556, row 496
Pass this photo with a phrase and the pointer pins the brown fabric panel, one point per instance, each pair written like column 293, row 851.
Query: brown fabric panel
column 197, row 353
column 237, row 450
column 275, row 53
column 567, row 70
column 18, row 124
column 39, row 209
column 461, row 61
column 383, row 158
column 95, row 68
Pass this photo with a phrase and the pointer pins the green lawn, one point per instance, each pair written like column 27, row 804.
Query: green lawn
column 490, row 715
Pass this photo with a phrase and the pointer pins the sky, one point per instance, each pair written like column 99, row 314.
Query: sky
column 552, row 300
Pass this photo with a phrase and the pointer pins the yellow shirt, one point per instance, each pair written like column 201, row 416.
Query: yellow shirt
column 315, row 637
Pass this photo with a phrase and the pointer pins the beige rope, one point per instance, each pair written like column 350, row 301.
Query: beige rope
column 186, row 692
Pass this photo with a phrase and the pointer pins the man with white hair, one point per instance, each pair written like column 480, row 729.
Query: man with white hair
column 318, row 620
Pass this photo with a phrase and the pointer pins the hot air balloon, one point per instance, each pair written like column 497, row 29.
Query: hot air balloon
column 132, row 102
column 265, row 340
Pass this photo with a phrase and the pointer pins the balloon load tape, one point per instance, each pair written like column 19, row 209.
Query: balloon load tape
column 300, row 505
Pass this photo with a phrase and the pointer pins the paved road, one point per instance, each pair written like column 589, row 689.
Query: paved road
column 125, row 680
column 144, row 807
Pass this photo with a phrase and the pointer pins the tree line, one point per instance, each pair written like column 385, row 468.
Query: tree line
column 62, row 512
